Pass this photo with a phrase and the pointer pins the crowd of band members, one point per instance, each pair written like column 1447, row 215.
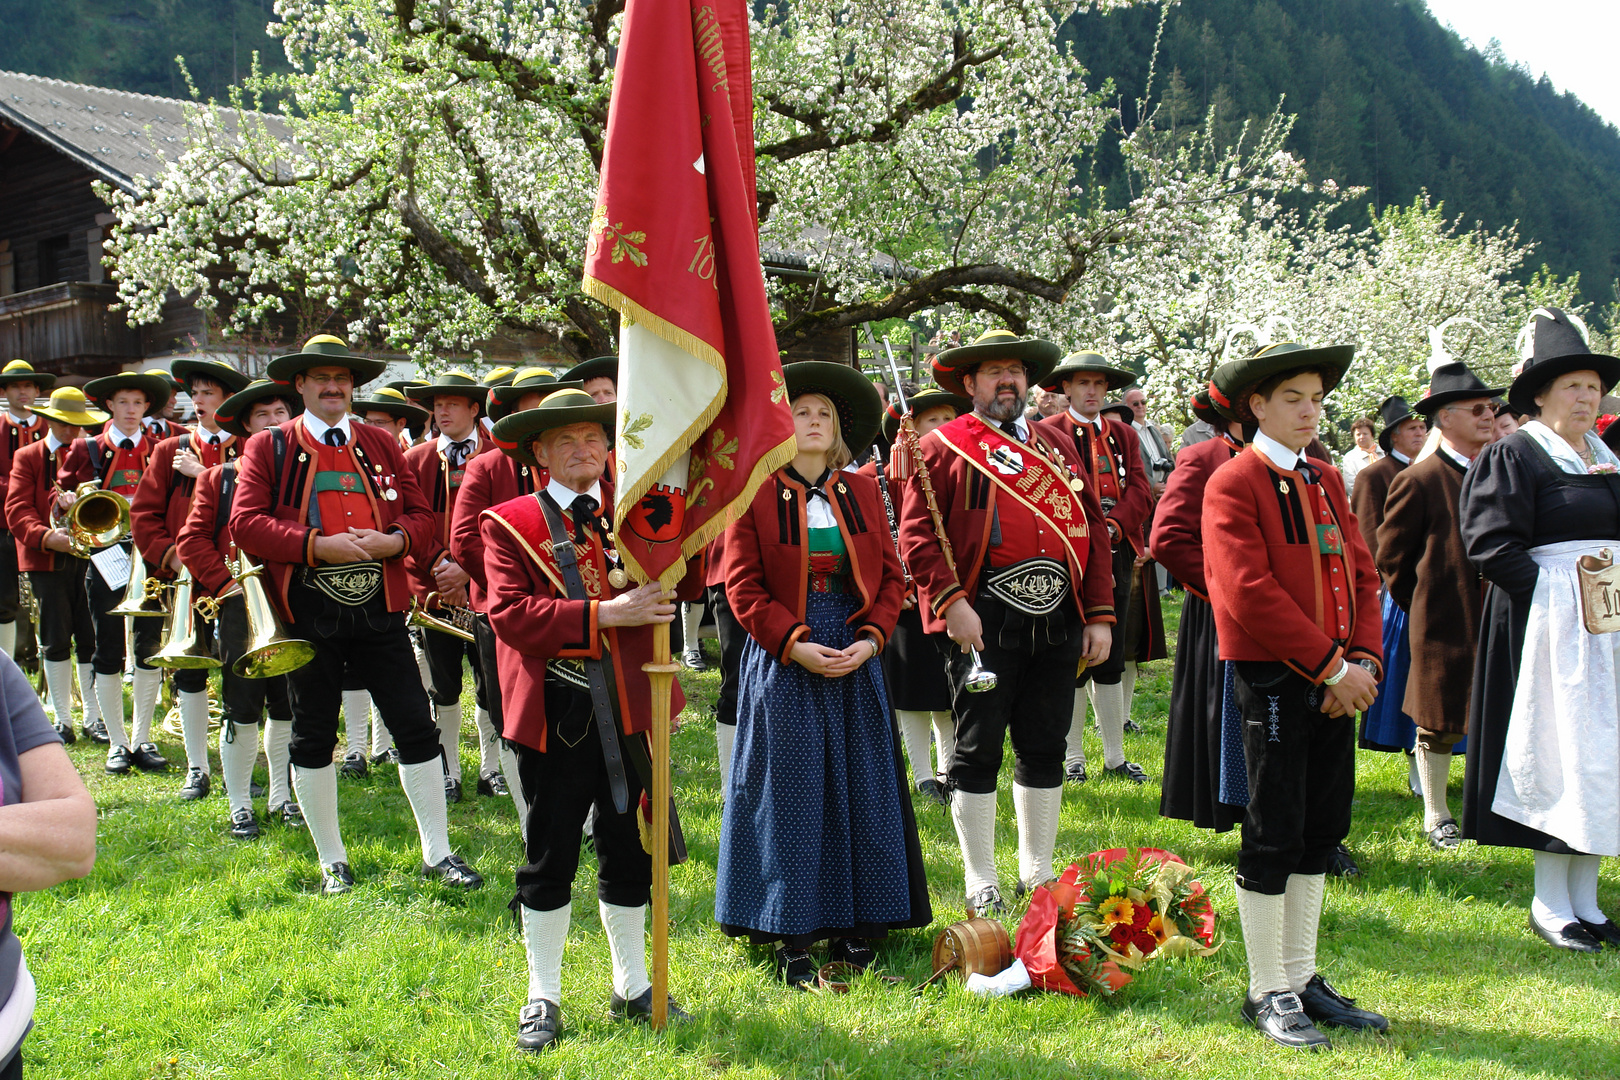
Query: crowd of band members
column 1022, row 534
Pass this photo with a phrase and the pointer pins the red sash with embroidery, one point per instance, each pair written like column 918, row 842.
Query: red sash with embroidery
column 1026, row 474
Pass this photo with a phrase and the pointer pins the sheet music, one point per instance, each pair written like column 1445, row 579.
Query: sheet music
column 113, row 566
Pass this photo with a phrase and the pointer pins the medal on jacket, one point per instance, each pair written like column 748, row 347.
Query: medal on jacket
column 618, row 578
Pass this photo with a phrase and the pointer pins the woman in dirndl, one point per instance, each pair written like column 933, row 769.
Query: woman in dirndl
column 818, row 842
column 1544, row 721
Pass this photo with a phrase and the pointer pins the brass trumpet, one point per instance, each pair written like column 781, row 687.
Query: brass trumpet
column 144, row 595
column 184, row 647
column 271, row 650
column 96, row 519
column 447, row 619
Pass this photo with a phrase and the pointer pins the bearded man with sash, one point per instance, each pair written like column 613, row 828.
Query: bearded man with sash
column 571, row 638
column 331, row 510
column 1112, row 454
column 1005, row 538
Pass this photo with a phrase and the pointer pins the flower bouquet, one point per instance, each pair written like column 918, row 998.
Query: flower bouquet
column 1114, row 911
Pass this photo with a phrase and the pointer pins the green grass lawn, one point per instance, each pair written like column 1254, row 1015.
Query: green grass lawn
column 186, row 954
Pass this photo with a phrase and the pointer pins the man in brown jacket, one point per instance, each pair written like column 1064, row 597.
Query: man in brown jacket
column 1424, row 564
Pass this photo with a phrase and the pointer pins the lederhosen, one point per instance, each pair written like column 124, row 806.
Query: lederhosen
column 343, row 612
column 120, row 471
column 445, row 652
column 16, row 438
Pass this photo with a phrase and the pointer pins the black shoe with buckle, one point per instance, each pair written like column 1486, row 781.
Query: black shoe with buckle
column 453, row 871
column 243, row 827
column 1343, row 864
column 1281, row 1017
column 1445, row 835
column 197, row 785
column 146, row 758
column 1573, row 936
column 452, row 790
column 693, row 659
column 1133, row 727
column 118, row 760
column 539, row 1023
column 1325, row 1005
column 492, row 784
column 987, row 901
column 69, row 736
column 1605, row 931
column 1127, row 770
column 639, row 1008
column 855, row 952
column 934, row 790
column 289, row 813
column 336, row 879
column 795, row 968
column 97, row 732
column 354, row 765
column 1075, row 774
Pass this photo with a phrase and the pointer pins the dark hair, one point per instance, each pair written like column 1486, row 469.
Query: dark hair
column 1362, row 422
column 1269, row 386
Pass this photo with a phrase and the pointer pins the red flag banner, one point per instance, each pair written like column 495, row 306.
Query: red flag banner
column 674, row 248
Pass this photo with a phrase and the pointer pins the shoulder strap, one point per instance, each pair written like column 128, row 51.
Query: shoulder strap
column 93, row 452
column 278, row 439
column 227, row 491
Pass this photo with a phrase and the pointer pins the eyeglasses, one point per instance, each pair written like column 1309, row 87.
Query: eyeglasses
column 1476, row 410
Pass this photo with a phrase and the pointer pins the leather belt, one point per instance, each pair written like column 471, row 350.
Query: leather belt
column 1033, row 586
column 350, row 584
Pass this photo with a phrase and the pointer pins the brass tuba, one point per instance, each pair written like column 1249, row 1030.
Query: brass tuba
column 184, row 646
column 143, row 596
column 271, row 651
column 97, row 519
column 445, row 618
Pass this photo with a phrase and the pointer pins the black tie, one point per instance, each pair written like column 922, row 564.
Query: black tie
column 126, row 444
column 1010, row 429
column 213, row 440
column 584, row 510
column 1310, row 472
column 458, row 455
column 335, row 437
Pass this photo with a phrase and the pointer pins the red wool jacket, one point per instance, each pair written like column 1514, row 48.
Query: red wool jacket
column 13, row 437
column 433, row 478
column 1275, row 593
column 1130, row 513
column 203, row 548
column 491, row 479
column 162, row 502
column 29, row 499
column 1178, row 529
column 270, row 512
column 78, row 467
column 767, row 555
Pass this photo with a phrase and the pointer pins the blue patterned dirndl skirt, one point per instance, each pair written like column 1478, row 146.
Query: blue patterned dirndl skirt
column 1385, row 727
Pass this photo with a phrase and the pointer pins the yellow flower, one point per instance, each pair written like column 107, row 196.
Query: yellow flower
column 1155, row 927
column 1116, row 909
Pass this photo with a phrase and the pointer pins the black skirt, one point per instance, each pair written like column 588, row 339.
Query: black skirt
column 916, row 666
column 1192, row 741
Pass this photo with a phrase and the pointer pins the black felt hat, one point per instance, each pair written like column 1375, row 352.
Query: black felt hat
column 234, row 411
column 597, row 367
column 1081, row 362
column 921, row 402
column 1393, row 412
column 1450, row 383
column 1235, row 380
column 1553, row 344
column 1121, row 411
column 515, row 432
column 500, row 399
column 229, row 379
column 1204, row 409
column 156, row 389
column 385, row 399
column 852, row 394
column 455, row 383
column 23, row 371
column 1039, row 358
column 324, row 350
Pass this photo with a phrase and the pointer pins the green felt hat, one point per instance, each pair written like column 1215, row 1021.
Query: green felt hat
column 1204, row 409
column 156, row 388
column 597, row 367
column 500, row 399
column 70, row 406
column 860, row 410
column 231, row 380
column 23, row 371
column 1039, row 358
column 234, row 411
column 500, row 376
column 921, row 402
column 325, row 350
column 1081, row 362
column 454, row 383
column 515, row 432
column 1235, row 380
column 388, row 400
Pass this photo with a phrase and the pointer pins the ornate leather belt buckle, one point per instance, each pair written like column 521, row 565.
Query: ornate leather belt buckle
column 350, row 584
column 1033, row 586
column 1108, row 503
column 570, row 673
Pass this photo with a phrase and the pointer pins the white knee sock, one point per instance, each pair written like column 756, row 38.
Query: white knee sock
column 975, row 818
column 8, row 637
column 87, row 693
column 238, row 751
column 59, row 687
column 725, row 738
column 1551, row 907
column 514, row 783
column 489, row 740
column 944, row 741
column 1075, row 753
column 110, row 697
column 915, row 730
column 278, row 753
column 1434, row 770
column 143, row 700
column 424, row 788
column 1109, row 702
column 691, row 618
column 1583, row 885
column 1302, row 913
column 194, row 728
column 1037, row 831
column 627, row 945
column 381, row 738
column 544, row 935
column 448, row 718
column 356, row 720
column 1127, row 687
column 1262, row 917
column 318, row 798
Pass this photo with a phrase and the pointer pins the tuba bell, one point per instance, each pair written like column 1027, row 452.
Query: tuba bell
column 432, row 614
column 271, row 651
column 143, row 596
column 97, row 519
column 184, row 647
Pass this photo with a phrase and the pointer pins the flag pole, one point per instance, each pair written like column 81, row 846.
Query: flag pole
column 662, row 674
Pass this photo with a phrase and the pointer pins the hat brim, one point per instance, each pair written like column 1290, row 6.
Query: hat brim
column 1118, row 378
column 283, row 368
column 1124, row 413
column 1038, row 355
column 1521, row 396
column 597, row 367
column 399, row 410
column 476, row 392
column 232, row 414
column 44, row 380
column 88, row 418
column 228, row 377
column 1236, row 380
column 157, row 390
column 860, row 410
column 515, row 432
column 1386, row 437
column 921, row 402
column 500, row 399
column 1435, row 402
